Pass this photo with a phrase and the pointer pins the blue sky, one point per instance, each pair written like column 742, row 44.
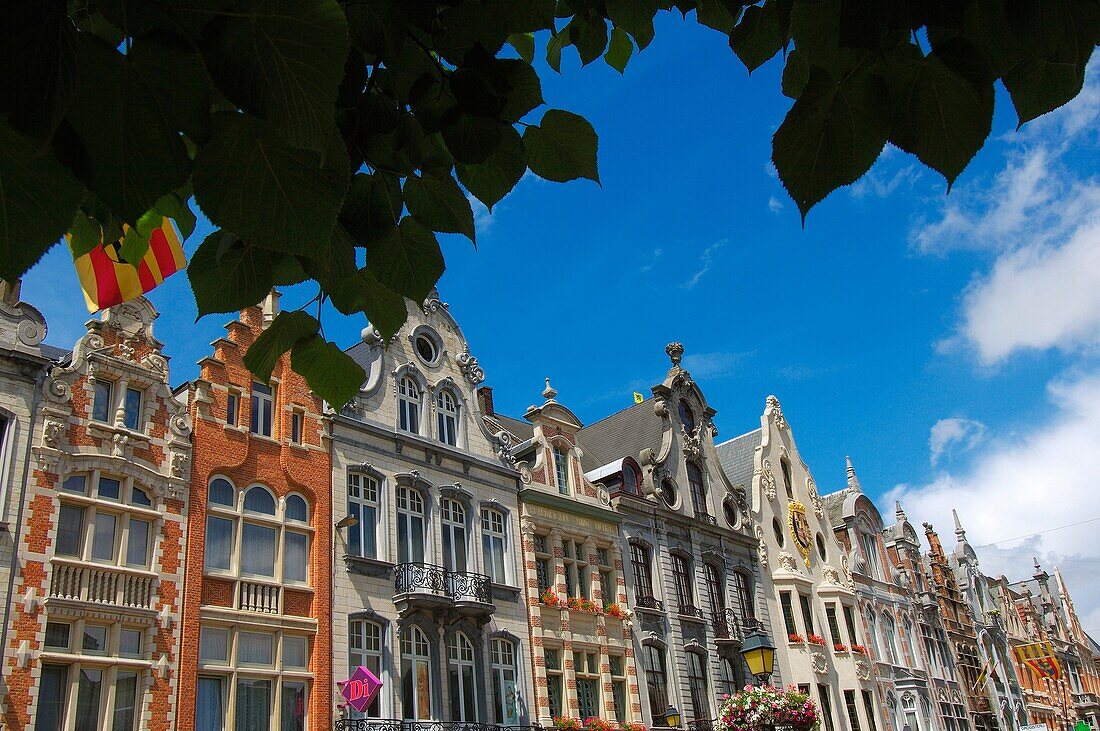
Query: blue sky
column 946, row 342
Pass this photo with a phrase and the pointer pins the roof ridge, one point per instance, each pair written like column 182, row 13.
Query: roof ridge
column 739, row 436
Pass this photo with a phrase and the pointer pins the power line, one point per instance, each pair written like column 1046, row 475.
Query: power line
column 1039, row 533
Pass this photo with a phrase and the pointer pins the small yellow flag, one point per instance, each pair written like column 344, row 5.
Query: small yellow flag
column 638, row 398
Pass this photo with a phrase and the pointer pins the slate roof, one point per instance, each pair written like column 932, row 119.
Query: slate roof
column 53, row 352
column 518, row 428
column 834, row 506
column 737, row 459
column 623, row 434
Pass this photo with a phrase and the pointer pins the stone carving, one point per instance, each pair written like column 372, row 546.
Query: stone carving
column 58, row 391
column 155, row 362
column 831, row 575
column 603, row 495
column 179, row 464
column 31, row 332
column 815, row 499
column 693, row 445
column 525, row 473
column 762, row 546
column 863, row 670
column 848, row 581
column 767, row 480
column 526, row 525
column 371, row 336
column 52, row 431
column 818, row 663
column 126, row 349
column 433, row 304
column 675, row 353
column 469, row 367
column 503, row 441
column 787, row 562
column 180, row 424
column 119, row 443
column 777, row 412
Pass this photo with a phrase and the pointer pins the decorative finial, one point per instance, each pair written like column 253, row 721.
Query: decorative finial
column 853, row 481
column 959, row 532
column 549, row 392
column 675, row 353
column 1035, row 561
column 899, row 512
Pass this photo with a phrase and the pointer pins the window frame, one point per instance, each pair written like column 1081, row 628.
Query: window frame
column 358, row 505
column 124, row 511
column 261, row 417
column 491, row 539
column 656, row 678
column 447, row 419
column 410, row 403
column 641, row 566
column 698, row 488
column 499, row 669
column 683, row 580
column 562, row 475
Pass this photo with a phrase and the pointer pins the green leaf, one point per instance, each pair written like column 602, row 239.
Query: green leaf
column 494, row 178
column 227, row 275
column 523, row 15
column 38, row 198
column 795, row 74
column 84, row 235
column 758, row 36
column 715, row 14
column 553, row 51
column 135, row 244
column 524, row 43
column 831, row 136
column 635, row 17
column 562, row 147
column 280, row 336
column 282, row 61
column 289, row 271
column 123, row 113
column 619, row 50
column 472, row 139
column 373, row 205
column 39, row 65
column 248, row 180
column 377, row 27
column 406, row 260
column 330, row 372
column 440, row 204
column 589, row 35
column 175, row 207
column 940, row 117
column 526, row 90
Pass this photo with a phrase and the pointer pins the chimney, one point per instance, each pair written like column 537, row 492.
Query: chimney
column 485, row 400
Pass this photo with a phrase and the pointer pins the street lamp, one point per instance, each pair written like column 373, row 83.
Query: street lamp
column 759, row 654
column 672, row 717
column 348, row 521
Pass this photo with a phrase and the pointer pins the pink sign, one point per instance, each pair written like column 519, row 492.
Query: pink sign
column 360, row 689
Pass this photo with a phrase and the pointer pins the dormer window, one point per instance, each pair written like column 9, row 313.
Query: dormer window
column 687, row 417
column 408, row 406
column 698, row 489
column 630, row 479
column 448, row 417
column 263, row 400
column 561, row 470
column 131, row 409
column 101, row 401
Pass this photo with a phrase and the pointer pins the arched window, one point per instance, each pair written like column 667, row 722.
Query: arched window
column 258, row 540
column 221, row 493
column 502, row 656
column 365, row 648
column 687, row 417
column 410, row 526
column 363, row 504
column 561, row 470
column 872, row 631
column 682, row 576
column 296, row 509
column 408, row 406
column 656, row 680
column 788, row 483
column 630, row 479
column 697, row 685
column 742, row 592
column 460, row 664
column 416, row 675
column 716, row 592
column 641, row 568
column 698, row 489
column 911, row 646
column 453, row 520
column 259, row 500
column 447, row 410
column 890, row 639
column 494, row 544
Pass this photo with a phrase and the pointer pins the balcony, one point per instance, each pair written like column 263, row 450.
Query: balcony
column 650, row 603
column 390, row 724
column 82, row 582
column 726, row 627
column 1086, row 699
column 425, row 586
column 706, row 518
column 690, row 611
column 256, row 596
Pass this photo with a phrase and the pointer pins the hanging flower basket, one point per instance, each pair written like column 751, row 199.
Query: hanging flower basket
column 760, row 707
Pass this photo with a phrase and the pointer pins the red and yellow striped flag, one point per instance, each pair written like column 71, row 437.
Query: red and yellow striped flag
column 107, row 280
column 1040, row 656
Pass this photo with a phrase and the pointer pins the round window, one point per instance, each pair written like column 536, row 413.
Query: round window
column 821, row 546
column 668, row 492
column 730, row 509
column 778, row 528
column 426, row 349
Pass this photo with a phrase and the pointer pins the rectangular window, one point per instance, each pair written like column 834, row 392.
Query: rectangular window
column 293, row 711
column 101, row 401
column 258, row 550
column 493, row 543
column 296, row 557
column 618, row 686
column 88, row 695
column 853, row 712
column 365, row 648
column 561, row 471
column 295, row 652
column 788, row 612
column 807, row 614
column 75, row 483
column 125, row 701
column 108, row 488
column 70, row 531
column 263, row 399
column 826, row 706
column 52, row 689
column 57, row 635
column 255, row 648
column 869, row 707
column 653, row 664
column 137, row 543
column 129, row 642
column 363, row 504
column 588, row 698
column 253, row 704
column 850, row 623
column 639, row 563
column 95, row 639
column 214, row 644
column 697, row 685
column 131, row 409
column 296, row 427
column 232, row 406
column 210, row 704
column 542, row 573
column 218, row 550
column 834, row 627
column 607, row 591
column 681, row 575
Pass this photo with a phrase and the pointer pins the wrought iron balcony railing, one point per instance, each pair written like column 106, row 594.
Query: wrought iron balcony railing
column 390, row 724
column 690, row 610
column 706, row 518
column 649, row 602
column 726, row 625
column 700, row 724
column 412, row 578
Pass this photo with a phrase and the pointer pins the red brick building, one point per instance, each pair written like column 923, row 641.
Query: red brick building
column 257, row 605
column 93, row 640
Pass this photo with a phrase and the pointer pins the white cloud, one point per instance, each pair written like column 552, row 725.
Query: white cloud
column 483, row 217
column 653, row 259
column 948, row 434
column 774, row 204
column 1018, row 486
column 713, row 365
column 885, row 177
column 705, row 261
